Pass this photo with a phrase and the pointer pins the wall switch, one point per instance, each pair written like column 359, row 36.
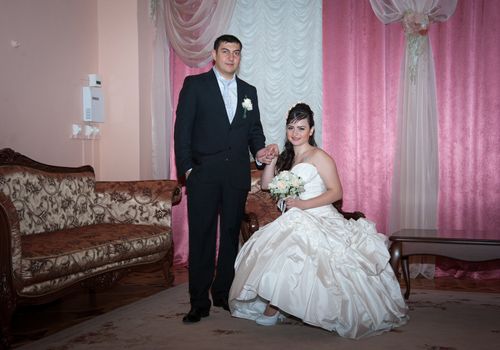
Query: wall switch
column 76, row 130
column 85, row 132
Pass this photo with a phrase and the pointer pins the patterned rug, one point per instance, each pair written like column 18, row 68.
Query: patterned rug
column 438, row 320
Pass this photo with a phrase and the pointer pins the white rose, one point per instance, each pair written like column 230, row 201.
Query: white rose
column 247, row 104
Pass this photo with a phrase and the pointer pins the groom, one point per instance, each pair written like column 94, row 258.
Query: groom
column 217, row 123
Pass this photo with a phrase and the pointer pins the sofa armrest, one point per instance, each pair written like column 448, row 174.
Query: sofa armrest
column 260, row 209
column 355, row 215
column 146, row 202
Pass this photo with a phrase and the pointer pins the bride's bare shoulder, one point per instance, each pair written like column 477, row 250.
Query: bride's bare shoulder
column 320, row 155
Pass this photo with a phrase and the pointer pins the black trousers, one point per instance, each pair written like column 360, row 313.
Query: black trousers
column 210, row 201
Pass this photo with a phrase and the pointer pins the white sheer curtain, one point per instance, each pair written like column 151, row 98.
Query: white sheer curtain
column 161, row 103
column 415, row 180
column 282, row 57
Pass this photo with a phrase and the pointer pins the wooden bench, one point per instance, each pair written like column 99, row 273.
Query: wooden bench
column 447, row 243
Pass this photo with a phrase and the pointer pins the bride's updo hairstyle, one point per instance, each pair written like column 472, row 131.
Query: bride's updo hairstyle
column 298, row 112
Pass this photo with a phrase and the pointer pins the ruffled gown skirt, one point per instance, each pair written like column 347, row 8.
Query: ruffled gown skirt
column 327, row 271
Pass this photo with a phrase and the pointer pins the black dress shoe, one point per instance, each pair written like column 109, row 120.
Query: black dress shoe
column 195, row 315
column 221, row 303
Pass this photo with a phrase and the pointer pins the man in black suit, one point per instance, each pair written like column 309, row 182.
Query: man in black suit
column 217, row 123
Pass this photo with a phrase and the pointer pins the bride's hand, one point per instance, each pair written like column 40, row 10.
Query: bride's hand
column 294, row 203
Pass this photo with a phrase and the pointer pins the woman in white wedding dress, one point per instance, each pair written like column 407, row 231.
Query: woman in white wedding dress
column 311, row 262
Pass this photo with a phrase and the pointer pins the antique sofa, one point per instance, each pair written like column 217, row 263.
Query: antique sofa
column 61, row 230
column 261, row 208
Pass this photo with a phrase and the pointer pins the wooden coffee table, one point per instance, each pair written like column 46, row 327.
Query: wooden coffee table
column 451, row 244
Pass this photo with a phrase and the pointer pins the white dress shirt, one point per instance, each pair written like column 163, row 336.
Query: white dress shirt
column 232, row 94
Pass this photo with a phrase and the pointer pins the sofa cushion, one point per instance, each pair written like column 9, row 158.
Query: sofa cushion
column 58, row 254
column 49, row 201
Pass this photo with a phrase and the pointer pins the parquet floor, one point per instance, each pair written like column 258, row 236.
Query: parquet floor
column 34, row 322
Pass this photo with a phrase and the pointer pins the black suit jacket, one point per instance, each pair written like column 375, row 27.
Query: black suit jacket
column 205, row 141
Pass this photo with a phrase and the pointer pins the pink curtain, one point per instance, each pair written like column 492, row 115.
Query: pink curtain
column 178, row 71
column 361, row 60
column 361, row 74
column 467, row 56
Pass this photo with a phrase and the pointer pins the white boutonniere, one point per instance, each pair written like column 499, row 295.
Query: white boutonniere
column 247, row 106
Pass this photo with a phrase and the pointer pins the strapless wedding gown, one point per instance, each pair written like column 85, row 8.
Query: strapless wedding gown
column 317, row 266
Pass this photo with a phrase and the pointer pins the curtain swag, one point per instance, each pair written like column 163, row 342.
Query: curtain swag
column 192, row 25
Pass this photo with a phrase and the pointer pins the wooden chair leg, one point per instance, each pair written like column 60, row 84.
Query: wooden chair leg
column 7, row 308
column 395, row 251
column 166, row 266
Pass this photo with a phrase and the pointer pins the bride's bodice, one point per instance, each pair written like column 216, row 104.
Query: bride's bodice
column 313, row 187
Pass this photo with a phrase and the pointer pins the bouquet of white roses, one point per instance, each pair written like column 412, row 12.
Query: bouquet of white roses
column 285, row 184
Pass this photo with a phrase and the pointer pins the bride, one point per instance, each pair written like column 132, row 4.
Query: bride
column 311, row 263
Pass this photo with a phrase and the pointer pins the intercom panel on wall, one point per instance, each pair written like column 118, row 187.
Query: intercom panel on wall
column 93, row 104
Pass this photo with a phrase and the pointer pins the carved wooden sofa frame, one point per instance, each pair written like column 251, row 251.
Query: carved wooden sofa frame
column 60, row 231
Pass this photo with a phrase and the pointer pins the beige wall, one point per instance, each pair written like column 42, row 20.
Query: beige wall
column 146, row 39
column 60, row 43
